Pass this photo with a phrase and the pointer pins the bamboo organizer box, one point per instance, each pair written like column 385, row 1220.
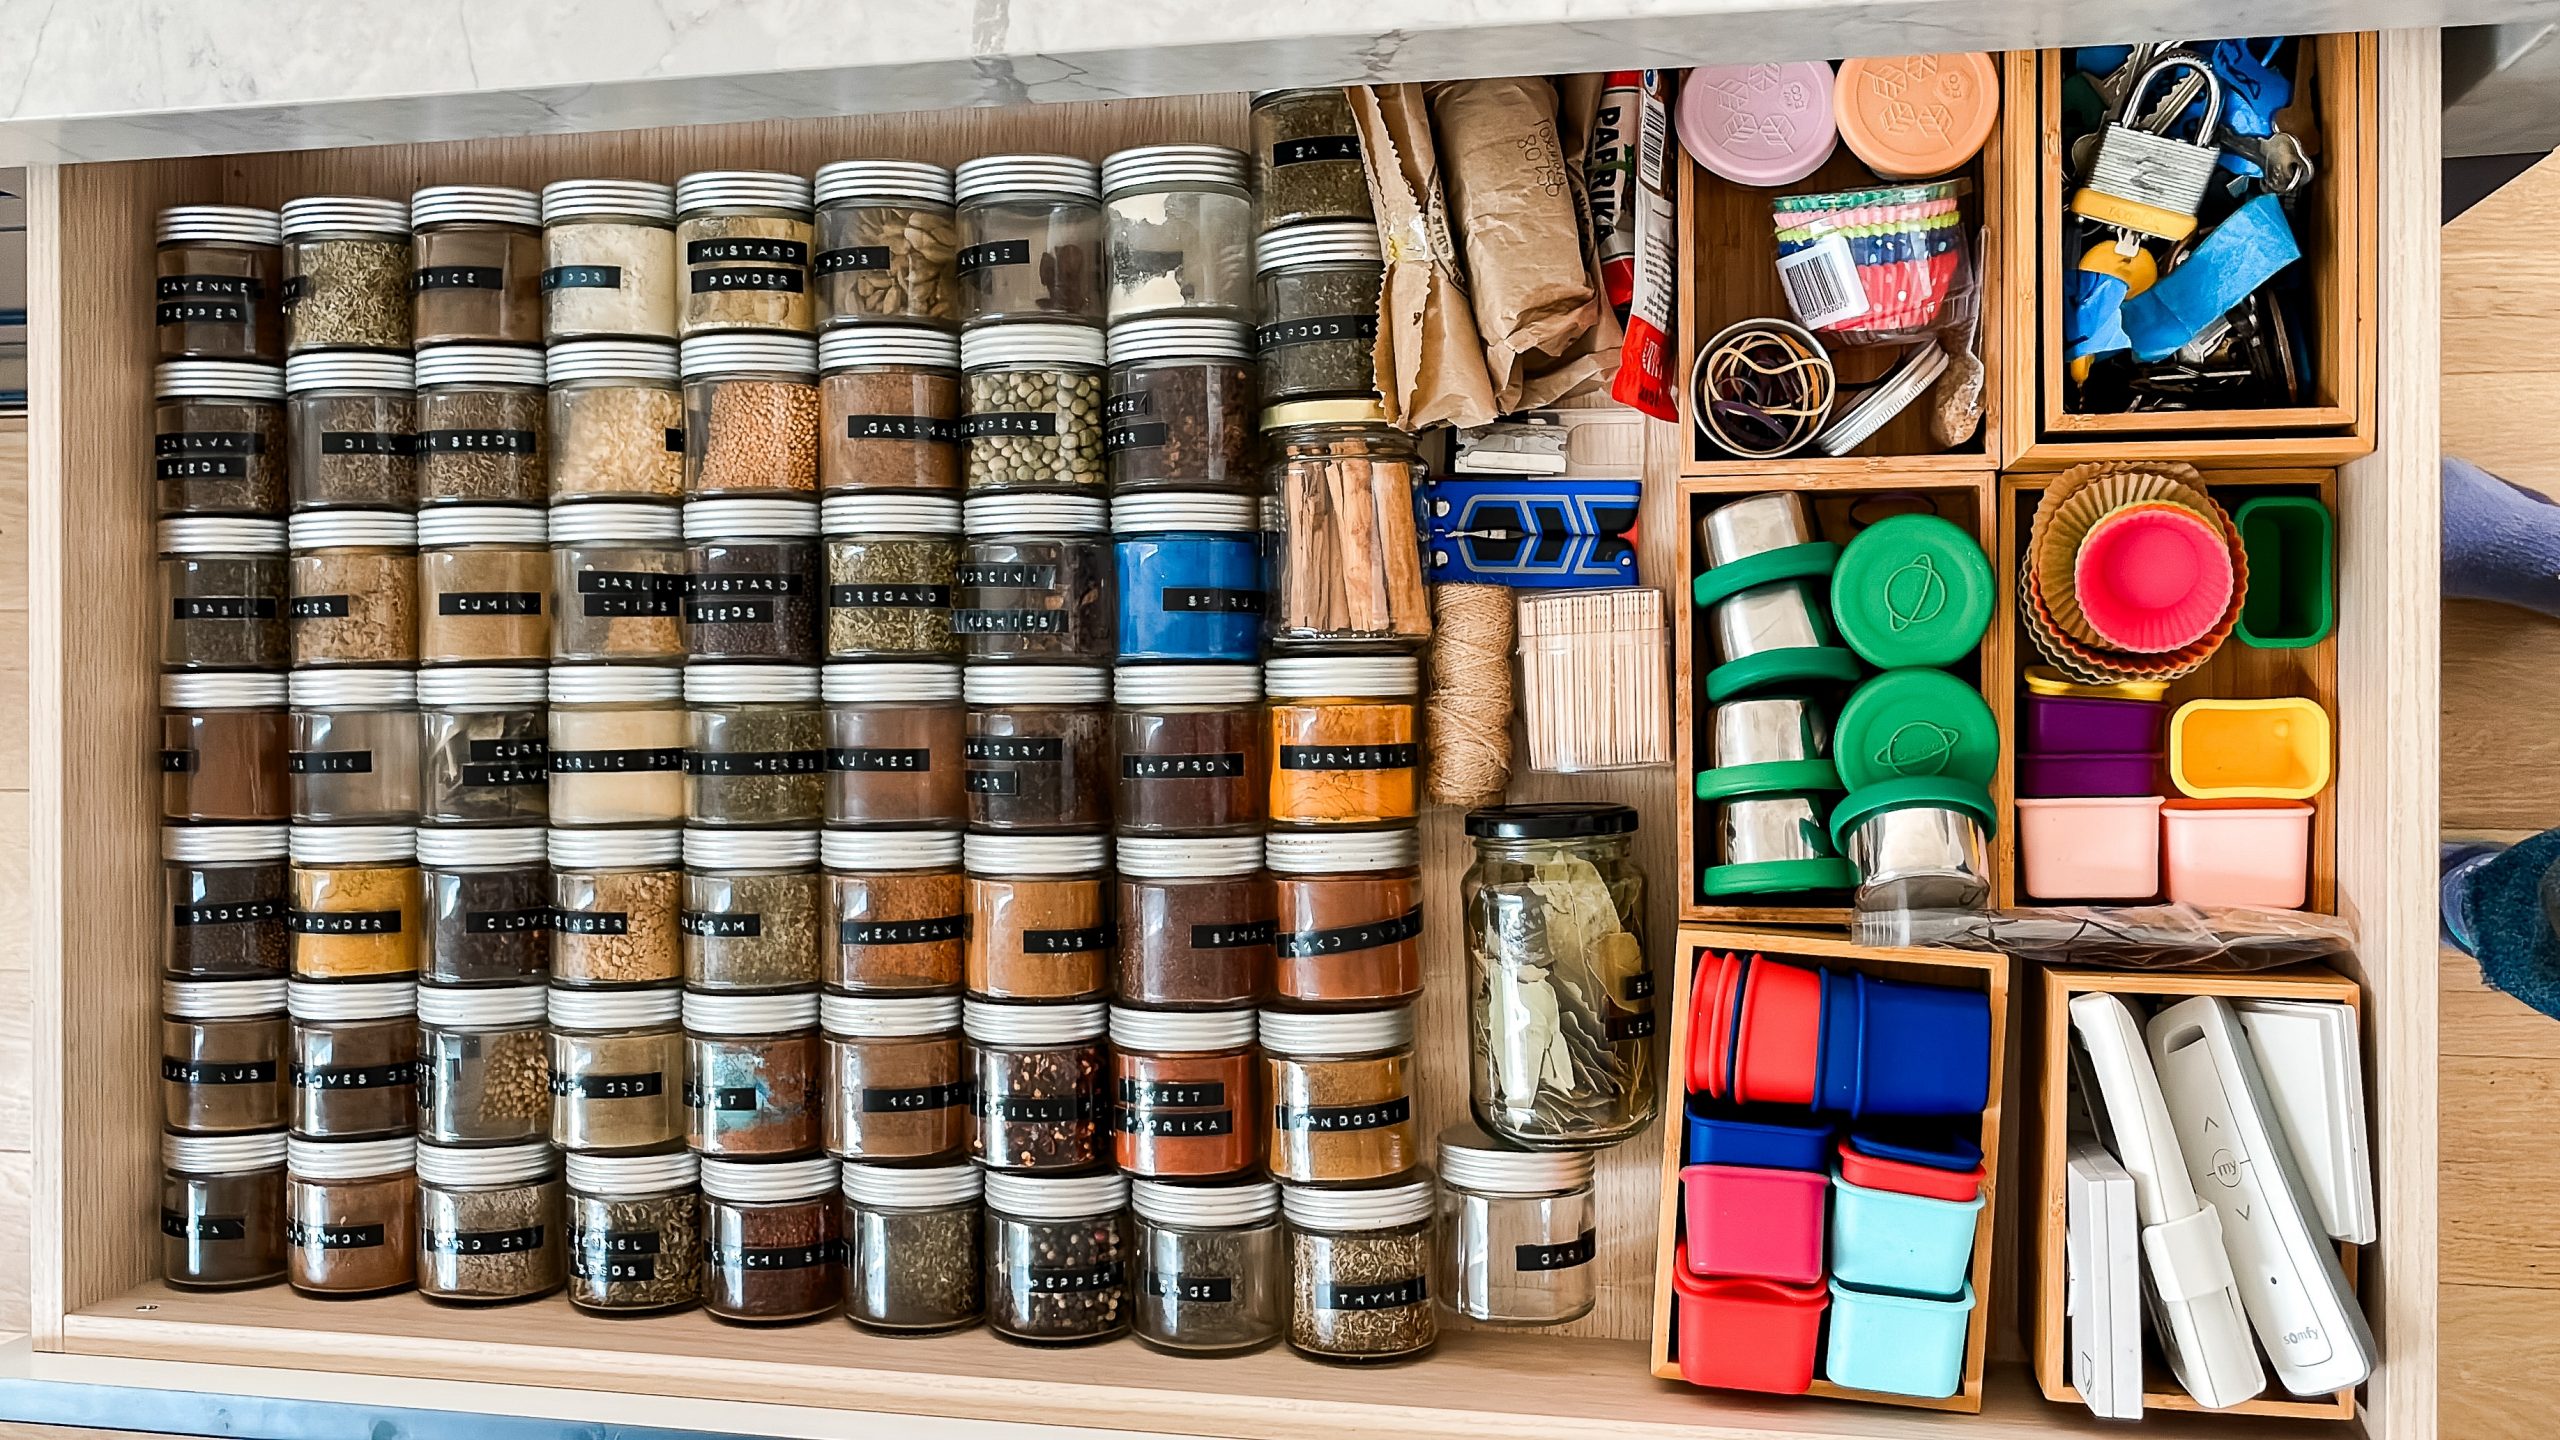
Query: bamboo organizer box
column 98, row 1303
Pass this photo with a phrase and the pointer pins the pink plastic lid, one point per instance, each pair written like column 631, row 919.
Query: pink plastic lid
column 1759, row 124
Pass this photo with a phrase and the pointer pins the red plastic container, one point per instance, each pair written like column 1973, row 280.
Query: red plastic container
column 1712, row 1013
column 1904, row 1178
column 1755, row 1223
column 1781, row 1049
column 1746, row 1334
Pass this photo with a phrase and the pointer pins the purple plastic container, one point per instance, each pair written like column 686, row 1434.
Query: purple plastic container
column 2080, row 725
column 2043, row 777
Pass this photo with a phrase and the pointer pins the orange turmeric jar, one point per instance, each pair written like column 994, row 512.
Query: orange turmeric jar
column 1343, row 733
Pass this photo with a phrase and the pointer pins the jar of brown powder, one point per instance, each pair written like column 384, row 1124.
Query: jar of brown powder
column 616, row 420
column 894, row 745
column 897, row 1086
column 355, row 1058
column 1039, row 916
column 616, row 907
column 773, row 1239
column 484, row 577
column 353, row 428
column 218, row 438
column 219, row 276
column 899, row 910
column 755, row 1079
column 476, row 269
column 1196, row 922
column 1038, row 748
column 1350, row 917
column 223, row 1048
column 751, row 416
column 754, row 910
column 889, row 409
column 225, row 892
column 1041, row 1076
column 489, row 1223
column 617, row 1069
column 354, row 747
column 351, row 1215
column 223, row 742
column 618, row 737
column 354, row 589
column 1193, row 756
column 617, row 583
column 757, row 746
column 1341, row 1094
column 222, row 1224
column 222, row 595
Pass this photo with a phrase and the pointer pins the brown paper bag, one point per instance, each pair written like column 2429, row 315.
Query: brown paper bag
column 1512, row 205
column 1430, row 360
column 1589, row 364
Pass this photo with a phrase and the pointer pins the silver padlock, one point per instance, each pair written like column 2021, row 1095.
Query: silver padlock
column 2148, row 182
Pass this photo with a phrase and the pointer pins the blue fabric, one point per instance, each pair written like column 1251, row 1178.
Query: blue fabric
column 2501, row 542
column 2245, row 251
column 2511, row 926
column 2093, row 324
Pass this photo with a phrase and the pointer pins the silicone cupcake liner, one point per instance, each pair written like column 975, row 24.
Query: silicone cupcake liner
column 1920, row 194
column 2127, row 567
column 2055, row 536
column 2098, row 667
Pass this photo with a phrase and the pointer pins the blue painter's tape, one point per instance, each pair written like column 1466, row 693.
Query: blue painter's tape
column 2244, row 252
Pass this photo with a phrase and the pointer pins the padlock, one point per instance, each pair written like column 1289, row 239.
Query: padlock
column 2148, row 182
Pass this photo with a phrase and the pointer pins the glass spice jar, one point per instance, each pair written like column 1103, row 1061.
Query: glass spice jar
column 355, row 1058
column 484, row 746
column 1039, row 916
column 476, row 273
column 1306, row 158
column 1038, row 748
column 897, row 1085
column 346, row 274
column 752, row 580
column 1183, row 1093
column 889, row 409
column 484, row 1065
column 1346, row 554
column 351, row 1215
column 745, row 236
column 635, row 1232
column 1519, row 1231
column 899, row 904
column 773, row 1239
column 1343, row 730
column 894, row 745
column 1178, row 232
column 1349, row 909
column 755, row 1077
column 489, row 1223
column 1033, row 409
column 354, row 747
column 617, row 1069
column 353, row 595
column 757, row 741
column 1190, row 574
column 222, row 1215
column 1034, row 580
column 488, row 906
column 484, row 581
column 352, row 425
column 1030, row 239
column 1361, row 1271
column 222, row 595
column 225, row 893
column 608, row 260
column 223, row 1045
column 1181, row 407
column 1212, row 1274
column 886, row 239
column 891, row 560
column 1318, row 287
column 223, row 746
column 1193, row 757
column 617, row 582
column 754, row 909
column 1341, row 1095
column 615, row 420
column 615, row 907
column 358, row 905
column 912, row 1247
column 618, row 738
column 481, row 425
column 1195, row 922
column 218, row 278
column 1040, row 1085
column 751, row 416
column 1057, row 1257
column 218, row 438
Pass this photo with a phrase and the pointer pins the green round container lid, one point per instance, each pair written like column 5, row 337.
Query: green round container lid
column 1809, row 561
column 1803, row 664
column 1912, row 590
column 1727, row 781
column 1909, row 723
column 1770, row 877
column 1940, row 791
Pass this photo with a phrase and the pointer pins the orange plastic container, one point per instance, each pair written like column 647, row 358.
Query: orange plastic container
column 2249, row 749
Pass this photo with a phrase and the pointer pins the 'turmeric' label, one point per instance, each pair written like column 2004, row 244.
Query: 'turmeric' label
column 1347, row 757
column 1391, row 1295
column 1325, row 1118
column 1563, row 1256
column 935, row 930
column 1225, row 765
column 1306, row 944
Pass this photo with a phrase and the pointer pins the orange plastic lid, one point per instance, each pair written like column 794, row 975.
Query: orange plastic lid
column 1914, row 117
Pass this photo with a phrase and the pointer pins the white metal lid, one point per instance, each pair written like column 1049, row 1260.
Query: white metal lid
column 1243, row 1202
column 181, row 691
column 1033, row 515
column 749, row 1181
column 1056, row 1197
column 441, row 846
column 1178, row 337
column 1164, row 857
column 615, row 520
column 888, row 681
column 888, row 1015
column 1140, row 685
column 1333, row 242
column 350, row 1000
column 889, row 849
column 638, row 199
column 472, row 1006
column 750, row 849
column 612, row 1175
column 352, row 529
column 613, row 1009
column 204, row 535
column 751, row 519
column 212, row 844
column 350, row 1159
column 609, row 360
column 853, row 181
column 218, row 380
column 615, row 849
column 993, row 175
column 894, row 1186
column 1337, row 1032
column 748, row 189
column 1156, row 514
column 347, row 370
column 467, row 204
column 237, row 223
column 1008, row 856
column 227, row 999
column 1181, row 1031
column 484, row 525
column 1172, row 165
column 1318, row 852
column 846, row 347
column 882, row 512
column 995, row 1023
column 1033, row 344
column 1319, row 1208
column 351, row 844
column 323, row 214
column 1472, row 1160
column 320, row 689
column 746, row 684
column 706, row 1013
column 1295, row 676
column 479, row 365
column 518, row 1164
column 222, row 1154
column 611, row 684
column 496, row 688
column 710, row 357
column 1036, row 685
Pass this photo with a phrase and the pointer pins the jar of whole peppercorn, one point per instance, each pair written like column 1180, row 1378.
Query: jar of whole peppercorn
column 1184, row 1093
column 1034, row 580
column 616, row 905
column 1194, row 759
column 223, row 1045
column 1057, row 1257
column 225, row 893
column 489, row 1223
column 353, row 430
column 1041, row 1077
column 894, row 745
column 484, row 1065
column 222, row 1217
column 346, row 273
column 617, row 1069
column 912, row 1247
column 886, row 238
column 1349, row 909
column 1341, row 1095
column 1030, row 239
column 898, row 1088
column 219, row 278
column 1361, row 1268
column 224, row 740
column 488, row 906
column 754, row 909
column 889, row 409
column 1343, row 731
column 754, row 1077
column 476, row 276
column 773, row 1239
column 752, row 580
column 218, row 438
column 351, row 1211
column 1038, row 748
column 757, row 751
column 751, row 416
column 1039, row 916
column 744, row 237
column 891, row 561
column 635, row 1232
column 1033, row 408
column 480, row 426
column 1181, row 407
column 899, row 910
column 355, row 1058
column 1212, row 1271
column 1196, row 922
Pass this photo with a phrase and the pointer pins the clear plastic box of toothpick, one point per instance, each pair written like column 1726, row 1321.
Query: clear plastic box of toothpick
column 1595, row 679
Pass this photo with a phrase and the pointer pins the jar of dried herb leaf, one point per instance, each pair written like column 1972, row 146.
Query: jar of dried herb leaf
column 1519, row 1231
column 617, row 581
column 354, row 755
column 1039, row 916
column 616, row 907
column 912, row 1247
column 891, row 560
column 1350, row 916
column 1190, row 576
column 886, row 238
column 1038, row 748
column 1184, row 1093
column 1041, row 1078
column 358, row 905
column 1178, row 231
column 608, row 260
column 218, row 278
column 752, row 575
column 354, row 589
column 1057, row 1257
column 226, row 891
column 353, row 427
column 618, row 737
column 745, row 236
column 355, row 1058
column 218, row 438
column 1318, row 287
column 754, row 909
column 635, row 1232
column 484, row 746
column 481, row 426
column 1034, row 580
column 899, row 907
column 1030, row 239
column 1306, row 158
column 222, row 594
column 484, row 1065
column 616, row 420
column 222, row 1224
column 476, row 273
column 346, row 273
column 1181, row 408
column 1341, row 1094
column 897, row 1086
column 773, row 1239
column 894, row 745
column 1361, row 1271
column 1194, row 758
column 889, row 409
column 1034, row 408
column 351, row 1209
column 1343, row 730
column 1212, row 1274
column 755, row 1077
column 223, row 1045
column 758, row 749
column 751, row 415
column 488, row 906
column 1195, row 922
column 617, row 1069
column 484, row 581
column 489, row 1223
column 223, row 745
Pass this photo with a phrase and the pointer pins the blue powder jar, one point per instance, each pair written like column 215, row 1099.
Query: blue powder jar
column 1191, row 576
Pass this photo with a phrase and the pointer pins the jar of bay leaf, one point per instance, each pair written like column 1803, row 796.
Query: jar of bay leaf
column 616, row 418
column 1039, row 916
column 617, row 1069
column 894, row 745
column 751, row 415
column 752, row 580
column 1360, row 1271
column 489, row 1223
column 484, row 583
column 616, row 907
column 224, row 742
column 891, row 560
column 755, row 1077
column 353, row 593
column 222, row 595
column 1318, row 288
column 773, row 1239
column 222, row 1214
column 484, row 751
column 480, row 426
column 1306, row 158
column 897, row 1085
column 757, row 746
column 1038, row 748
column 346, row 273
column 1341, row 1086
column 912, row 1247
column 352, row 422
column 359, row 906
column 635, row 1232
column 488, row 906
column 617, row 583
column 1519, row 1231
column 218, row 438
column 354, row 755
column 219, row 276
column 1034, row 580
column 889, row 409
column 223, row 1050
column 1178, row 232
column 618, row 736
column 1033, row 409
column 476, row 274
column 745, row 237
column 754, row 909
column 608, row 260
column 899, row 911
column 352, row 1214
column 225, row 893
column 1057, row 1257
column 1030, row 239
column 1212, row 1273
column 1179, row 412
column 484, row 1064
column 886, row 238
column 355, row 1058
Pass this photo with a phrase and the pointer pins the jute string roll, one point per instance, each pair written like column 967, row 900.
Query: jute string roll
column 1468, row 722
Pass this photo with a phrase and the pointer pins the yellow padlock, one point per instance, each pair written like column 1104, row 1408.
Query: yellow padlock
column 2130, row 261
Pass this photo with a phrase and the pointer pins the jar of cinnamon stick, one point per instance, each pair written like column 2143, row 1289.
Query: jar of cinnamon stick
column 1343, row 731
column 1348, row 552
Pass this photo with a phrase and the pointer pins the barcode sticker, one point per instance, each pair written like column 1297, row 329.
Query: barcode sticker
column 1822, row 283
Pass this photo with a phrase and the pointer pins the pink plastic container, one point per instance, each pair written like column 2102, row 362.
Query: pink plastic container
column 2091, row 848
column 2238, row 852
column 1754, row 1223
column 2153, row 578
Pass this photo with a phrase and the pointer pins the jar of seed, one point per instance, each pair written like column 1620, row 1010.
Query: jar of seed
column 1343, row 730
column 752, row 573
column 751, row 415
column 359, row 907
column 476, row 275
column 484, row 581
column 351, row 1208
column 219, row 277
column 480, row 426
column 758, row 746
column 489, row 1223
column 886, row 238
column 1519, row 1231
column 1178, row 231
column 355, row 1058
column 1181, row 406
column 484, row 747
column 353, row 429
column 912, row 1247
column 616, row 416
column 618, row 737
column 891, row 560
column 745, row 236
column 1030, row 239
column 1040, row 1075
column 773, row 1233
column 218, row 438
column 897, row 1085
column 894, row 745
column 635, row 1232
column 1212, row 1274
column 222, row 595
column 1195, row 922
column 1193, row 756
column 1033, row 416
column 1341, row 1095
column 1318, row 287
column 755, row 1077
column 616, row 906
column 488, row 906
column 617, row 578
column 354, row 755
column 889, row 409
column 617, row 1069
column 608, row 260
column 1057, row 1257
column 1361, row 1268
column 1039, row 916
column 222, row 1224
column 1306, row 159
column 353, row 593
column 484, row 1065
column 899, row 906
column 225, row 892
column 1190, row 568
column 1184, row 1092
column 1038, row 748
column 346, row 273
column 1350, row 917
column 223, row 745
column 223, row 1045
column 754, row 909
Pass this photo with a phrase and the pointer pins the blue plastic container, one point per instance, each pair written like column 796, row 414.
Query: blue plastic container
column 1842, row 1038
column 1191, row 577
column 1922, row 1049
column 1724, row 1135
column 1896, row 1344
column 1939, row 1150
column 1881, row 1240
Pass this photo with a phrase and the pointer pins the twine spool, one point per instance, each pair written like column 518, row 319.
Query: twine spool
column 1468, row 722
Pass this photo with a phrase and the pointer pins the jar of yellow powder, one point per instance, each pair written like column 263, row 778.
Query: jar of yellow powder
column 358, row 905
column 1343, row 731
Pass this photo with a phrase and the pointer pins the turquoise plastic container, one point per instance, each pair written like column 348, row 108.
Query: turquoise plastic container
column 1881, row 1240
column 1896, row 1344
